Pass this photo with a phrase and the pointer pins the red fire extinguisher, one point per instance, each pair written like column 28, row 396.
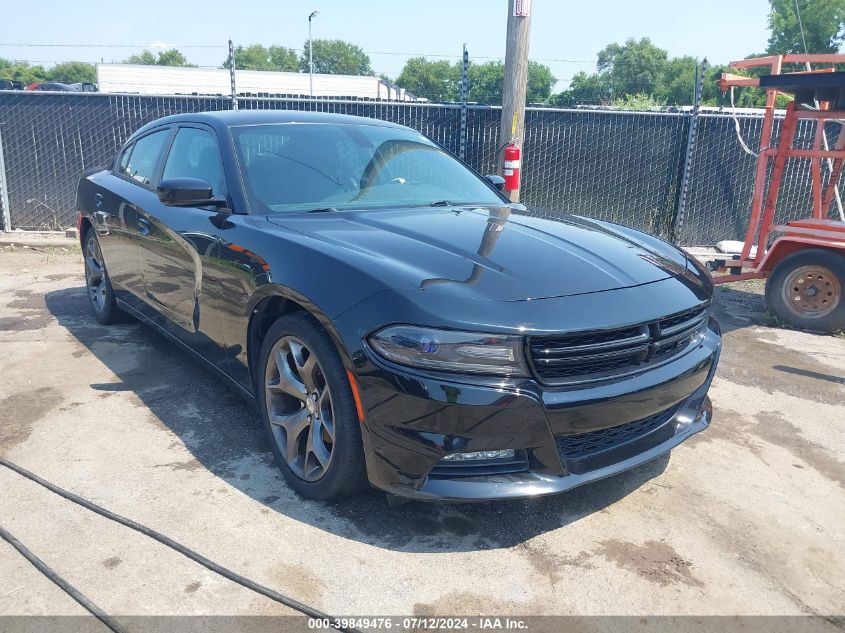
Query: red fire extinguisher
column 511, row 167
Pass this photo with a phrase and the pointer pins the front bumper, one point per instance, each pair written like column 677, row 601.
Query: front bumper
column 414, row 419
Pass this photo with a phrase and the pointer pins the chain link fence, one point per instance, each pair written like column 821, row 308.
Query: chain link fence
column 722, row 178
column 625, row 167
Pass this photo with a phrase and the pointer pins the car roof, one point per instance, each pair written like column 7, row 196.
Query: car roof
column 232, row 118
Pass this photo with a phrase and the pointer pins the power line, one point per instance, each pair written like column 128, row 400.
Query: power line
column 298, row 50
column 152, row 45
column 566, row 61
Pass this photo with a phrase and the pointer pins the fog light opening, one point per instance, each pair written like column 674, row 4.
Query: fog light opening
column 508, row 453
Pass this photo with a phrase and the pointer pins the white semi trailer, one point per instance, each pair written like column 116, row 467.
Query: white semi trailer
column 176, row 80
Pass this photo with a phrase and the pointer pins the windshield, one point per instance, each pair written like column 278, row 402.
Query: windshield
column 300, row 167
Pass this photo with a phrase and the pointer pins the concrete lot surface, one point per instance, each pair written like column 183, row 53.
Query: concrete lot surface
column 745, row 518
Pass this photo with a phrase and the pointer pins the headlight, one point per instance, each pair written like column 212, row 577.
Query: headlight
column 448, row 350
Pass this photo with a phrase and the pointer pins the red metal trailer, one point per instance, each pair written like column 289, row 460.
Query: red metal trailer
column 803, row 260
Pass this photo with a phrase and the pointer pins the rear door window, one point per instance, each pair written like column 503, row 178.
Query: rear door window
column 124, row 159
column 144, row 156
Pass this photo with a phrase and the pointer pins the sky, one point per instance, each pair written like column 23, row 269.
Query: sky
column 565, row 34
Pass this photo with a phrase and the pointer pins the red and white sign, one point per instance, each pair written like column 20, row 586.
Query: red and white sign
column 521, row 8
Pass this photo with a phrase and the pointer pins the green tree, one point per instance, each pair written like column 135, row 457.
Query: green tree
column 284, row 59
column 633, row 67
column 824, row 26
column 252, row 57
column 258, row 57
column 73, row 72
column 173, row 57
column 145, row 58
column 435, row 80
column 336, row 57
column 640, row 101
column 22, row 71
column 540, row 82
column 675, row 84
column 170, row 57
column 487, row 80
column 592, row 88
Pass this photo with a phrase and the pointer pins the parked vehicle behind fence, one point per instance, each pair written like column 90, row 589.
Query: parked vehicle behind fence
column 394, row 318
column 57, row 86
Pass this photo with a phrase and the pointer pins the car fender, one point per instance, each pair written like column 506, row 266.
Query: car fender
column 270, row 290
column 788, row 244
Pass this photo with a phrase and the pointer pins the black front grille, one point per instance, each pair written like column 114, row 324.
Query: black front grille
column 481, row 467
column 583, row 445
column 604, row 354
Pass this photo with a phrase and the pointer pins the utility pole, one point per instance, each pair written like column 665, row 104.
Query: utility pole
column 311, row 54
column 515, row 88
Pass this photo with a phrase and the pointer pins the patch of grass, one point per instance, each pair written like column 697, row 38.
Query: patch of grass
column 770, row 320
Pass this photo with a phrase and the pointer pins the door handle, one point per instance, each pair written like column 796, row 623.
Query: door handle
column 98, row 200
column 143, row 226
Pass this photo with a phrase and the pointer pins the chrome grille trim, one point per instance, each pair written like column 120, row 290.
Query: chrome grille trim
column 642, row 337
column 572, row 358
column 683, row 326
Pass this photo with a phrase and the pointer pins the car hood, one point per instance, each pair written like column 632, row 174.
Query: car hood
column 492, row 253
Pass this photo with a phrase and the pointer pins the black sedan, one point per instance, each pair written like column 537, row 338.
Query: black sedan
column 394, row 318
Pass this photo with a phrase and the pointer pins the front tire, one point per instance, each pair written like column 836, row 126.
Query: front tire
column 308, row 410
column 97, row 284
column 805, row 289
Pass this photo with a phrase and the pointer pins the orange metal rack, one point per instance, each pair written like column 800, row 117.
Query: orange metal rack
column 806, row 290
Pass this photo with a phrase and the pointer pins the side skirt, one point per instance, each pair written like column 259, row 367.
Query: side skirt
column 238, row 388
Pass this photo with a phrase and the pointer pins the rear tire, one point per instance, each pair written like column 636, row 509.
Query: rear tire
column 308, row 410
column 97, row 284
column 806, row 290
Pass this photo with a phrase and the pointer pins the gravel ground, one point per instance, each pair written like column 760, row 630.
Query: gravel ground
column 746, row 518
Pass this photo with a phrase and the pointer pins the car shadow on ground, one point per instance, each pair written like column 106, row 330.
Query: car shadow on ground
column 223, row 434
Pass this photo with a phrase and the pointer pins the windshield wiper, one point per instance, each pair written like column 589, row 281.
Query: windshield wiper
column 461, row 203
column 322, row 210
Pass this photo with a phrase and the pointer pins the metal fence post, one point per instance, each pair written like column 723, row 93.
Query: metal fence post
column 462, row 151
column 232, row 75
column 680, row 211
column 4, row 190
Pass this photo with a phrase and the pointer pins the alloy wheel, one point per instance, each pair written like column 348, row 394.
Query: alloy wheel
column 95, row 275
column 299, row 407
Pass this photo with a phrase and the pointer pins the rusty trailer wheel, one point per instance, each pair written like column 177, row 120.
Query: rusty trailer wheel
column 811, row 291
column 805, row 289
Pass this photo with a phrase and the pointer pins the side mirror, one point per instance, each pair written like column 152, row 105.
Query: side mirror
column 496, row 181
column 188, row 192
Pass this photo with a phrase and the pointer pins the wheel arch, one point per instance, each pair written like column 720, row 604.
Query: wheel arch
column 267, row 305
column 84, row 226
column 787, row 245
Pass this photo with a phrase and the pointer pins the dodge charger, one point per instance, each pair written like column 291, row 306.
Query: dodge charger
column 395, row 319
